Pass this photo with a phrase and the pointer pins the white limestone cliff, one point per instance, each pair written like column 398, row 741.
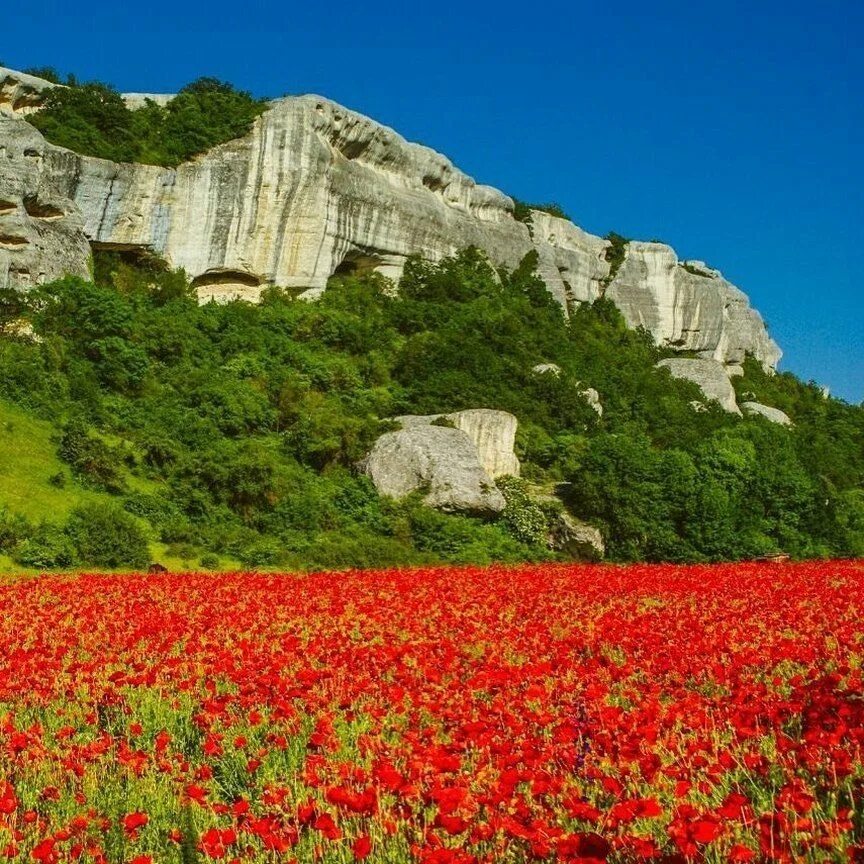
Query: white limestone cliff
column 315, row 189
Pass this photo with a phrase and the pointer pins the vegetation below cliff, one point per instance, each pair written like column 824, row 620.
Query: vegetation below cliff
column 227, row 434
column 94, row 120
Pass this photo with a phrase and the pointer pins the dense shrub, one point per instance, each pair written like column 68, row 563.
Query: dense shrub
column 104, row 535
column 94, row 120
column 48, row 547
column 94, row 462
column 522, row 517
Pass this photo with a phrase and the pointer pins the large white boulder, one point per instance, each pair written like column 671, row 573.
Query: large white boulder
column 709, row 375
column 775, row 415
column 492, row 432
column 441, row 461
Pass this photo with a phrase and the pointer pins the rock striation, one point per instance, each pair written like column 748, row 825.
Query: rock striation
column 315, row 190
column 41, row 229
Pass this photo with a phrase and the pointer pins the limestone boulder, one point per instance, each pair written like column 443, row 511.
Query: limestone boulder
column 546, row 369
column 574, row 538
column 492, row 432
column 20, row 93
column 578, row 540
column 709, row 375
column 592, row 397
column 440, row 461
column 775, row 415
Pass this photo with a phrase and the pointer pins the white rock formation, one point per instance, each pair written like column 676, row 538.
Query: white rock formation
column 493, row 434
column 709, row 375
column 20, row 93
column 592, row 397
column 441, row 461
column 41, row 230
column 692, row 312
column 775, row 415
column 316, row 189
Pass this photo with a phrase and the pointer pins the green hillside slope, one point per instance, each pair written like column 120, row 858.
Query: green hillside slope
column 138, row 426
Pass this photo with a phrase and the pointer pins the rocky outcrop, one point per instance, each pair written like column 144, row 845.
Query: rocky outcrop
column 694, row 309
column 440, row 461
column 41, row 229
column 20, row 93
column 316, row 189
column 566, row 534
column 709, row 375
column 493, row 434
column 775, row 415
column 578, row 540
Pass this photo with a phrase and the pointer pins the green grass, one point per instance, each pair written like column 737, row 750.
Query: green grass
column 28, row 460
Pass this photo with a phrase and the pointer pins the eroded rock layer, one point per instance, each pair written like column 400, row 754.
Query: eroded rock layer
column 315, row 189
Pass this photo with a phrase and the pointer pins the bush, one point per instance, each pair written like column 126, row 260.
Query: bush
column 48, row 548
column 522, row 211
column 90, row 458
column 209, row 561
column 616, row 252
column 13, row 529
column 93, row 119
column 522, row 518
column 106, row 536
column 266, row 552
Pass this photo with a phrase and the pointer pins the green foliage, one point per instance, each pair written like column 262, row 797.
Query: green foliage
column 48, row 547
column 94, row 120
column 522, row 211
column 104, row 535
column 91, row 119
column 12, row 307
column 616, row 252
column 96, row 463
column 49, row 73
column 522, row 518
column 14, row 528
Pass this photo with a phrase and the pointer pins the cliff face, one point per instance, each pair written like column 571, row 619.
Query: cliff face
column 315, row 189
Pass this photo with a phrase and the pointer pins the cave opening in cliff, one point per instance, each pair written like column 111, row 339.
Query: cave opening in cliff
column 225, row 285
column 357, row 264
column 37, row 209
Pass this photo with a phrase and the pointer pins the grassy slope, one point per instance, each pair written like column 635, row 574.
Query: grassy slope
column 28, row 459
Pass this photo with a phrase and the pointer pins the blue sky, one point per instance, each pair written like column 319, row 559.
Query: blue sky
column 734, row 131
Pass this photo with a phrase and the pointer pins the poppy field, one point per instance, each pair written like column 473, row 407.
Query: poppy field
column 443, row 716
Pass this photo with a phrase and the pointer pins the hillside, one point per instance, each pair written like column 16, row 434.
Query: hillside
column 284, row 336
column 231, row 433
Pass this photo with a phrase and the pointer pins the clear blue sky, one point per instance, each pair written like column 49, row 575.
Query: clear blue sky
column 733, row 131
